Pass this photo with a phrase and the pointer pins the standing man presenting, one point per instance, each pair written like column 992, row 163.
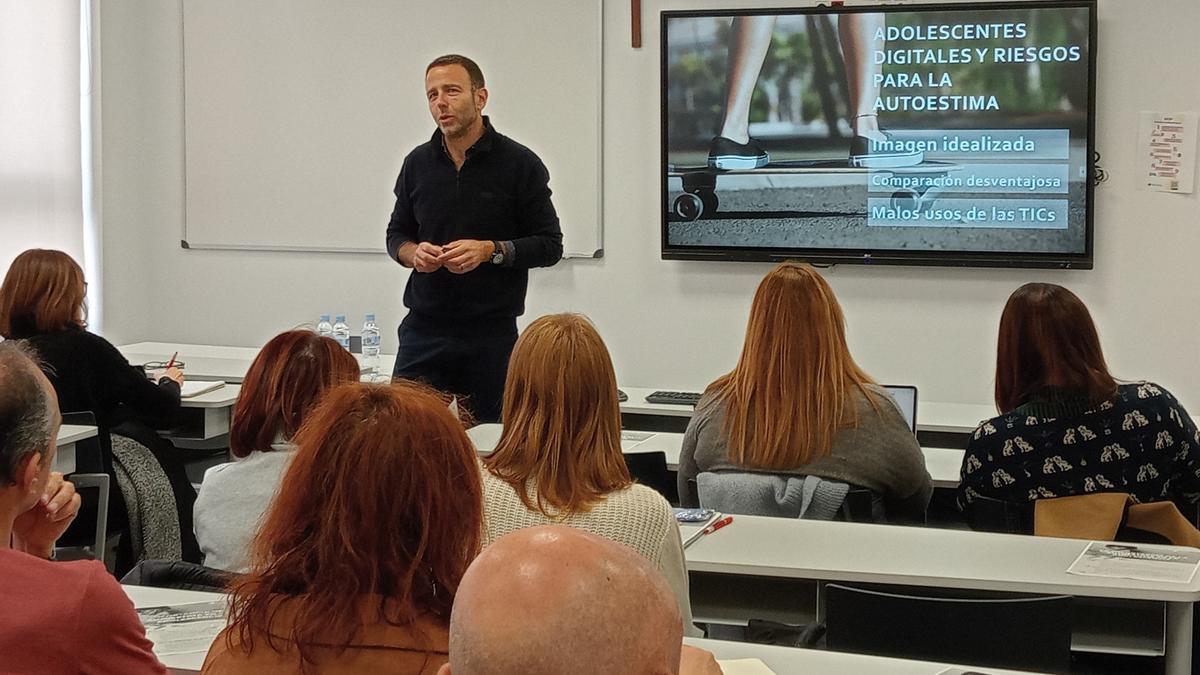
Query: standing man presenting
column 472, row 215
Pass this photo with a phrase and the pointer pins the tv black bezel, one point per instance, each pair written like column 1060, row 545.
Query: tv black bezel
column 829, row 256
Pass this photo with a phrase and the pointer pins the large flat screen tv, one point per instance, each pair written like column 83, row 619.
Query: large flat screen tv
column 947, row 134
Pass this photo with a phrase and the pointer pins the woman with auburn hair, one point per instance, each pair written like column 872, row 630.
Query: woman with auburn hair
column 797, row 404
column 42, row 302
column 358, row 558
column 1066, row 427
column 284, row 383
column 559, row 457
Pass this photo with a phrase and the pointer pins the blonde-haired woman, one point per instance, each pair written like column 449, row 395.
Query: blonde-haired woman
column 559, row 457
column 797, row 404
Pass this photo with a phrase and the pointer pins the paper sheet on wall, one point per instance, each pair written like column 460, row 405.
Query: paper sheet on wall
column 1145, row 562
column 1167, row 151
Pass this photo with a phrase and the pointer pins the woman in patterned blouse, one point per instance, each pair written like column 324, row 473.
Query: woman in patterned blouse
column 1066, row 426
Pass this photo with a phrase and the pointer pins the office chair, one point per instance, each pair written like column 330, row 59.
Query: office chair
column 89, row 532
column 988, row 514
column 1002, row 631
column 650, row 469
column 180, row 575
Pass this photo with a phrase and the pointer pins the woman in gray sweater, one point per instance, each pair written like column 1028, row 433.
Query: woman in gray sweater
column 285, row 382
column 797, row 404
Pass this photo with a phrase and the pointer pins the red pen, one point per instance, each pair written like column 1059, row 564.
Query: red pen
column 718, row 525
column 171, row 363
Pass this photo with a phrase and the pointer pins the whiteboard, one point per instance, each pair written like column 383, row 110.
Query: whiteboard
column 299, row 113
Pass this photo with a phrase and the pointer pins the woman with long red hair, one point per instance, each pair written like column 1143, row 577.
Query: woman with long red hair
column 1066, row 426
column 355, row 567
column 284, row 383
column 797, row 404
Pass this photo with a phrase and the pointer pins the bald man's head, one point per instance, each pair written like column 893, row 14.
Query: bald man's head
column 553, row 599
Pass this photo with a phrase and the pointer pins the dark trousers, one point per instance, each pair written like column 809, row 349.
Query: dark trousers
column 469, row 361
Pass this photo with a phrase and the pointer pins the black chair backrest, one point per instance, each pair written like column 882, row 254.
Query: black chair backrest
column 90, row 454
column 1017, row 631
column 650, row 469
column 988, row 514
column 861, row 506
column 93, row 456
column 180, row 575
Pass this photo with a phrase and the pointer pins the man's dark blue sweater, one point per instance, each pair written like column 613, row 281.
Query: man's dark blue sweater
column 501, row 193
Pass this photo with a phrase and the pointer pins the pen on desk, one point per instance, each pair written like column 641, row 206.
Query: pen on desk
column 171, row 363
column 718, row 525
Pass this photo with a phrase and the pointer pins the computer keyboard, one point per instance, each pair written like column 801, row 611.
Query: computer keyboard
column 674, row 397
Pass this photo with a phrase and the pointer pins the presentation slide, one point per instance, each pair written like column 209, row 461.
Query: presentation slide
column 934, row 130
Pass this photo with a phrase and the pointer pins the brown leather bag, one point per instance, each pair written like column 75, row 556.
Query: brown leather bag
column 1106, row 516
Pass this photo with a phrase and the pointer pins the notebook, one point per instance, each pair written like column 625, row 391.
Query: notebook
column 192, row 388
column 906, row 398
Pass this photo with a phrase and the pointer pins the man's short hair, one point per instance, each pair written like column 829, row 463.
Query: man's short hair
column 25, row 418
column 471, row 67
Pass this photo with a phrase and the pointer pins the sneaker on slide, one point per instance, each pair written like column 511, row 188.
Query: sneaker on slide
column 868, row 155
column 728, row 154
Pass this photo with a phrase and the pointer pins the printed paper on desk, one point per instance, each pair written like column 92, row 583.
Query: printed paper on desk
column 1144, row 562
column 183, row 629
column 744, row 667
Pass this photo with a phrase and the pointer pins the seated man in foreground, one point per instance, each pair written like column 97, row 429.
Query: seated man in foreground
column 69, row 617
column 552, row 599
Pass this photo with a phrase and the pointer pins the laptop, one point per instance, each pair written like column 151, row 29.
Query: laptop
column 906, row 398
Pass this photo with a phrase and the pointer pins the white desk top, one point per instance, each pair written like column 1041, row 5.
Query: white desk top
column 210, row 362
column 931, row 415
column 221, row 397
column 485, row 437
column 788, row 661
column 912, row 556
column 217, row 362
column 68, row 436
column 782, row 660
column 943, row 463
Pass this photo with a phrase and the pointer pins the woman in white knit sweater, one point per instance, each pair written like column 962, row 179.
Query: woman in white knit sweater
column 559, row 457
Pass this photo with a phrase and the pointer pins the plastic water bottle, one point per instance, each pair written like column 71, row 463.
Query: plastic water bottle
column 370, row 345
column 324, row 327
column 341, row 332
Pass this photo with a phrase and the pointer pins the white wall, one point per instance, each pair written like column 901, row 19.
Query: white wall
column 668, row 324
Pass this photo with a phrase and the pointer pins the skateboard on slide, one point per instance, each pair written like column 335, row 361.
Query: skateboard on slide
column 700, row 183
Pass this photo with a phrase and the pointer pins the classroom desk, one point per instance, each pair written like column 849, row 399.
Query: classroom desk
column 485, row 437
column 217, row 362
column 943, row 463
column 68, row 436
column 209, row 413
column 210, row 362
column 932, row 416
column 782, row 660
column 915, row 556
column 787, row 660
